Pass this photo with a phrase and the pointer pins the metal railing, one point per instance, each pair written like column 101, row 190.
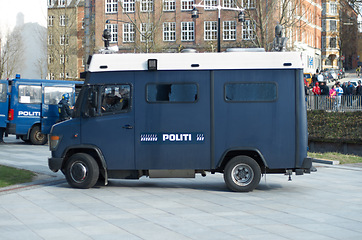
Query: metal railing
column 339, row 103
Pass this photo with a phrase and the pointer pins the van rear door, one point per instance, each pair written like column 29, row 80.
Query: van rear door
column 52, row 94
column 4, row 103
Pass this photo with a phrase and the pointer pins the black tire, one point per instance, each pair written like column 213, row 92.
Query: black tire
column 82, row 171
column 23, row 137
column 37, row 137
column 242, row 174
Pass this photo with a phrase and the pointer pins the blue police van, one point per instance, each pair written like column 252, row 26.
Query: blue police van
column 33, row 106
column 171, row 115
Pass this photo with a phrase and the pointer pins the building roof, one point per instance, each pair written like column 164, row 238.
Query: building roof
column 196, row 61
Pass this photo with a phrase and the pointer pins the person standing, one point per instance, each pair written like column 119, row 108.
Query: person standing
column 316, row 89
column 64, row 108
column 2, row 131
column 332, row 96
column 339, row 92
column 359, row 94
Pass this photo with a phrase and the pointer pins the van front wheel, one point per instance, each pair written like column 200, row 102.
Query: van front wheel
column 242, row 174
column 82, row 171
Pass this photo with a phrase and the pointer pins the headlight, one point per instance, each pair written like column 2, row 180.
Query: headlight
column 54, row 142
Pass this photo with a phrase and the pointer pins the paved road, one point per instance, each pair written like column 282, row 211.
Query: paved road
column 323, row 205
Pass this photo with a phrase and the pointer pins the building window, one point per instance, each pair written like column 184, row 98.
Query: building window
column 62, row 58
column 111, row 6
column 50, row 58
column 171, row 93
column 146, row 5
column 333, row 42
column 229, row 3
column 169, row 5
column 187, row 5
column 128, row 32
column 51, row 76
column 50, row 2
column 63, row 20
column 50, row 40
column 251, row 92
column 210, row 30
column 332, row 25
column 146, row 32
column 209, row 4
column 61, row 3
column 333, row 8
column 229, row 30
column 128, row 6
column 64, row 39
column 187, row 31
column 50, row 21
column 113, row 29
column 248, row 30
column 248, row 4
column 169, row 31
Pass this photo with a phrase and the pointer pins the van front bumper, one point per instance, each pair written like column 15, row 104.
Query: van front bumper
column 55, row 164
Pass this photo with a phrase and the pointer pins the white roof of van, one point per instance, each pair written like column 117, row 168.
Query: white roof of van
column 196, row 61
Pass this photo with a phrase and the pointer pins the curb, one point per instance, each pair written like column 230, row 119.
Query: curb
column 325, row 161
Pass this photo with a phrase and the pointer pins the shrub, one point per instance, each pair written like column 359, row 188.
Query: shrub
column 335, row 126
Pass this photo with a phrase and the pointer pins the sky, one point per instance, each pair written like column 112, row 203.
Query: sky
column 33, row 10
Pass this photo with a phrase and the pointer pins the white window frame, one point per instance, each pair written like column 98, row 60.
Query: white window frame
column 62, row 20
column 111, row 6
column 129, row 6
column 209, row 4
column 333, row 9
column 249, row 4
column 169, row 31
column 229, row 3
column 248, row 31
column 61, row 3
column 128, row 33
column 51, row 76
column 187, row 31
column 50, row 58
column 50, row 39
column 145, row 29
column 146, row 5
column 113, row 30
column 50, row 20
column 187, row 5
column 229, row 30
column 61, row 58
column 64, row 40
column 210, row 30
column 169, row 5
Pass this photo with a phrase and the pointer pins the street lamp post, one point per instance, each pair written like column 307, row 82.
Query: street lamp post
column 195, row 14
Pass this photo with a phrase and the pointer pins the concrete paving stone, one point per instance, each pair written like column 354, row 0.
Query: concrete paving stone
column 331, row 231
column 18, row 232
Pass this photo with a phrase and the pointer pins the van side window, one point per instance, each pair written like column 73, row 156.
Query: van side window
column 251, row 92
column 115, row 98
column 53, row 95
column 2, row 92
column 29, row 94
column 175, row 92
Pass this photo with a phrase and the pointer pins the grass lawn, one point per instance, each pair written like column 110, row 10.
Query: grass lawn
column 342, row 158
column 10, row 176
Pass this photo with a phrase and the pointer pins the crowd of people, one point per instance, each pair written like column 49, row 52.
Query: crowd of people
column 335, row 93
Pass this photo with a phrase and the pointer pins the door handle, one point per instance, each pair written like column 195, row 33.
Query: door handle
column 127, row 126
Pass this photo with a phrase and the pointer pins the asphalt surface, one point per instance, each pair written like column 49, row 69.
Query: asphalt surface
column 326, row 204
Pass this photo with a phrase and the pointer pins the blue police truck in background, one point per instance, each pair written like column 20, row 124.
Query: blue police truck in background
column 242, row 114
column 33, row 106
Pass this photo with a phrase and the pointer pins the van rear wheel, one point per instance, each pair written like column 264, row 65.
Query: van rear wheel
column 242, row 174
column 82, row 171
column 37, row 137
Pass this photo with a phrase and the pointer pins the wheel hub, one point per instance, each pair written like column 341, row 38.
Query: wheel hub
column 78, row 172
column 242, row 174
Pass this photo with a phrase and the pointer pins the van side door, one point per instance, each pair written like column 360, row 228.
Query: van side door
column 52, row 94
column 4, row 103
